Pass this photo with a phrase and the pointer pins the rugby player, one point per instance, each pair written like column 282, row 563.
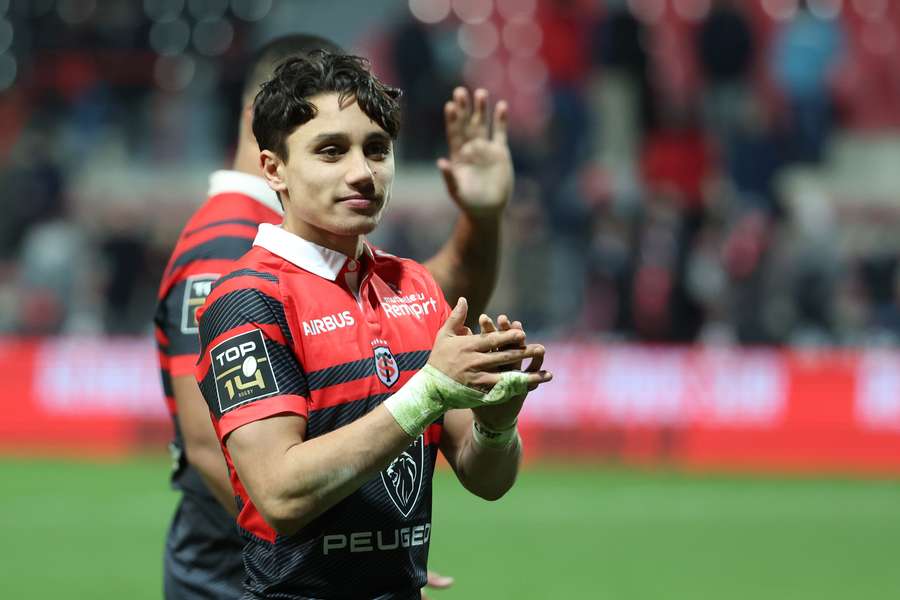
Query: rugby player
column 202, row 556
column 333, row 371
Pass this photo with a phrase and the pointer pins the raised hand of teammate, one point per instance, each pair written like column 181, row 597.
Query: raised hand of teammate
column 478, row 170
column 503, row 416
column 478, row 361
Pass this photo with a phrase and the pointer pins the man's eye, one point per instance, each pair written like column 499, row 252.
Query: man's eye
column 378, row 151
column 331, row 151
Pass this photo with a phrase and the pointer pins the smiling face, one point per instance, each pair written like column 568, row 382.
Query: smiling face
column 337, row 179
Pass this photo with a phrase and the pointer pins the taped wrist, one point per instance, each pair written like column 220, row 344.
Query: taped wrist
column 493, row 438
column 425, row 397
column 430, row 393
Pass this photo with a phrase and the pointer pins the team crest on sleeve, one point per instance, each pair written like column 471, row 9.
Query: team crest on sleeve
column 196, row 290
column 242, row 370
column 386, row 367
column 403, row 478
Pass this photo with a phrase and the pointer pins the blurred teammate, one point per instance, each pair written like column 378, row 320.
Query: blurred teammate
column 331, row 369
column 202, row 558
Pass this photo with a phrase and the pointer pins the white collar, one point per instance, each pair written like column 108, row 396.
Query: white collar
column 222, row 182
column 316, row 259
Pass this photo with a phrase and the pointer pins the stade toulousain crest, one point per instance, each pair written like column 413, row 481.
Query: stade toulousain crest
column 386, row 367
column 403, row 477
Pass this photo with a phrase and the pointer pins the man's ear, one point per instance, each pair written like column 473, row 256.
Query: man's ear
column 273, row 170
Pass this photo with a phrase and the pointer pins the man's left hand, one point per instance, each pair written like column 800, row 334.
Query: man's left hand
column 478, row 172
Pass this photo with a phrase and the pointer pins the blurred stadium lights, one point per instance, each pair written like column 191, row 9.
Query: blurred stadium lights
column 207, row 9
column 170, row 38
column 478, row 41
column 486, row 72
column 648, row 11
column 527, row 73
column 826, row 9
column 163, row 10
column 75, row 12
column 8, row 70
column 870, row 9
column 692, row 10
column 879, row 37
column 174, row 73
column 516, row 10
column 522, row 38
column 780, row 10
column 251, row 10
column 430, row 11
column 213, row 36
column 6, row 35
column 473, row 12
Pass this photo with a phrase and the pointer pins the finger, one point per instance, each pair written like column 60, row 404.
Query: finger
column 450, row 182
column 456, row 322
column 488, row 380
column 463, row 107
column 501, row 115
column 499, row 339
column 454, row 125
column 478, row 124
column 486, row 324
column 537, row 359
column 503, row 323
column 517, row 325
column 438, row 581
column 492, row 360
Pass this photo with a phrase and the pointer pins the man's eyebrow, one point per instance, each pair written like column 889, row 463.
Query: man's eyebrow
column 378, row 135
column 329, row 137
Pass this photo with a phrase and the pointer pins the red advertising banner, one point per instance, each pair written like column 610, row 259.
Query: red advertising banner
column 771, row 409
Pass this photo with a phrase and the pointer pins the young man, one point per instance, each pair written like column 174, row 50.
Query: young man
column 202, row 557
column 332, row 369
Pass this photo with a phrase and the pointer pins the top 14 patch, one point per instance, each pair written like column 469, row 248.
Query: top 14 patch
column 242, row 370
column 196, row 289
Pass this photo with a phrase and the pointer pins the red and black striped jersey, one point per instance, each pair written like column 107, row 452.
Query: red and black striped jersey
column 285, row 332
column 217, row 234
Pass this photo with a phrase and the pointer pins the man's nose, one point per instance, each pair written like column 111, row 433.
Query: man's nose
column 359, row 170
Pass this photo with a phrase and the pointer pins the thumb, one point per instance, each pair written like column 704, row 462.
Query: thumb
column 456, row 322
column 450, row 182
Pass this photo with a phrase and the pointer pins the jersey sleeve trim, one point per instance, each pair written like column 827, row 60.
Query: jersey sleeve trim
column 262, row 409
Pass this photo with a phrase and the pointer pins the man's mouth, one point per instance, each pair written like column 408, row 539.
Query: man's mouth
column 358, row 201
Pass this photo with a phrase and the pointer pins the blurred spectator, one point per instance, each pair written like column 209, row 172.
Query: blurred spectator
column 725, row 50
column 806, row 50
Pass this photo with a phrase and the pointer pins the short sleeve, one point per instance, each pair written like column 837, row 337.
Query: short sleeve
column 177, row 318
column 247, row 369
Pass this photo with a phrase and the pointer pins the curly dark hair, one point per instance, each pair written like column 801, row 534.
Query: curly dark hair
column 282, row 103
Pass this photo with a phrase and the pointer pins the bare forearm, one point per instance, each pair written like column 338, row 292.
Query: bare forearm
column 488, row 472
column 467, row 264
column 211, row 466
column 311, row 476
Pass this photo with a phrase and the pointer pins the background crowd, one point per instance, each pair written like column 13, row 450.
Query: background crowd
column 708, row 171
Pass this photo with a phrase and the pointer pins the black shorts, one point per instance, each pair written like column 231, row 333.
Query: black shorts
column 203, row 553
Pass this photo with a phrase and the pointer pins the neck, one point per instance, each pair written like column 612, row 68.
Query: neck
column 246, row 158
column 349, row 245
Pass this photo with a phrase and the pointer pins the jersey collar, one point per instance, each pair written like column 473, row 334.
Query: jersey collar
column 316, row 259
column 223, row 182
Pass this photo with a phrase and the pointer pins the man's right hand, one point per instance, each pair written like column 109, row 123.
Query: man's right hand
column 476, row 360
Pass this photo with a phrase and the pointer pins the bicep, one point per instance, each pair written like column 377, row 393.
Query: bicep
column 258, row 451
column 457, row 424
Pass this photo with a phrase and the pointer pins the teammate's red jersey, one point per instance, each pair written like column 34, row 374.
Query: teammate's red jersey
column 218, row 233
column 285, row 332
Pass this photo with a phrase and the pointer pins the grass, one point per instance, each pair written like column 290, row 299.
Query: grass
column 83, row 530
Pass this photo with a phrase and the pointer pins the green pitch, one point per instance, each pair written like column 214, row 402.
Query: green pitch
column 78, row 530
